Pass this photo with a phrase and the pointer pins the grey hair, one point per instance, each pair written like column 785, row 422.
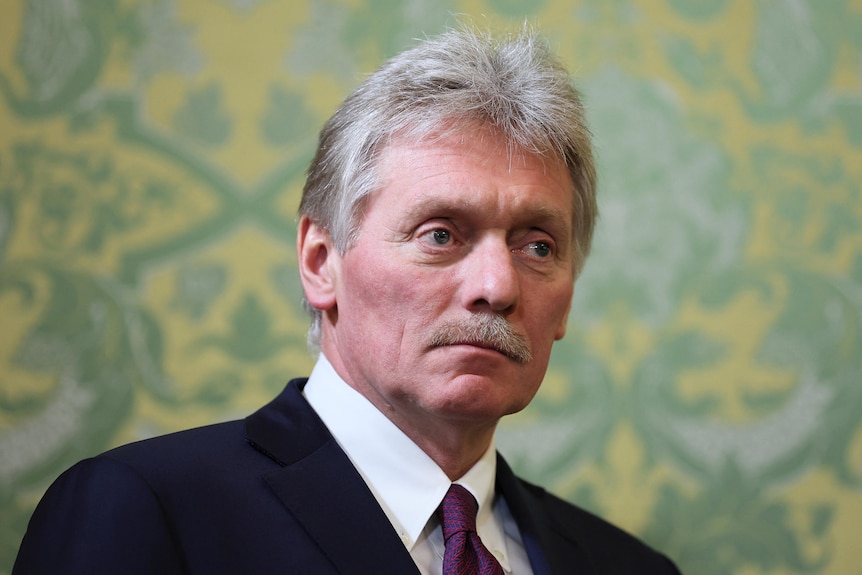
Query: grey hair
column 513, row 85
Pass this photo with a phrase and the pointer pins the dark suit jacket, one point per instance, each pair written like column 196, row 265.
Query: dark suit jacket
column 273, row 494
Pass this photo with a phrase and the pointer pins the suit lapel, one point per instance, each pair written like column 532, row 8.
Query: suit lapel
column 322, row 489
column 551, row 548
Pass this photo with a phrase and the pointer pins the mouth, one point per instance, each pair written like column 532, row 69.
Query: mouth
column 515, row 356
column 482, row 345
column 486, row 331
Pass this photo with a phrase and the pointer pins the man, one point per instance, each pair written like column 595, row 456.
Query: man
column 445, row 217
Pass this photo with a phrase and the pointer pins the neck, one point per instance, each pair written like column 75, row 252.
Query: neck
column 454, row 447
column 454, row 444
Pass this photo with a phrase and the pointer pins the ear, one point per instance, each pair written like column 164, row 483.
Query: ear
column 318, row 264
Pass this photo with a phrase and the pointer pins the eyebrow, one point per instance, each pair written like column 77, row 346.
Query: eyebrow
column 540, row 215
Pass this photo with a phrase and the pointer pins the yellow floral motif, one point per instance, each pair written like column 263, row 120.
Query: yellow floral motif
column 708, row 396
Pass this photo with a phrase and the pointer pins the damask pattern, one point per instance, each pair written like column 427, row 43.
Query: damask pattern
column 708, row 396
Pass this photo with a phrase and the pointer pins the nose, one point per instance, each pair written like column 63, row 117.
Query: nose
column 490, row 280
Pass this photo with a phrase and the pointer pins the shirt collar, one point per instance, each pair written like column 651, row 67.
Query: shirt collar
column 406, row 482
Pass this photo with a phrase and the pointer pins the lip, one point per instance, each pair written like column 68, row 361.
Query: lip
column 478, row 346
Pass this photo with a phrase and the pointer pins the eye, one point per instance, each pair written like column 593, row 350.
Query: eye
column 539, row 249
column 439, row 236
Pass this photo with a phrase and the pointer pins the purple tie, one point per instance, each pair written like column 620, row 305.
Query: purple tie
column 465, row 554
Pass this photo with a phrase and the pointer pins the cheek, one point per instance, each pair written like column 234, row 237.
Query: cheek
column 551, row 313
column 381, row 290
column 563, row 318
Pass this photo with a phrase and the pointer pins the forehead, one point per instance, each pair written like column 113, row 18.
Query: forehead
column 464, row 167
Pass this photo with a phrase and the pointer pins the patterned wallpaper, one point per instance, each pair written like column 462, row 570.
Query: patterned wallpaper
column 708, row 396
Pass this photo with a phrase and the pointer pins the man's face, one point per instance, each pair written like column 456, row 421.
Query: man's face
column 458, row 231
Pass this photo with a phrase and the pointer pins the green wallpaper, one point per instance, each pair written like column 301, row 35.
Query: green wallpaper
column 708, row 396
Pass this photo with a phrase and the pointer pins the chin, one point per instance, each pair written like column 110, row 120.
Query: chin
column 481, row 399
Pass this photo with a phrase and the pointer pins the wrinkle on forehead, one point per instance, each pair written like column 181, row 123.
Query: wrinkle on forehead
column 474, row 134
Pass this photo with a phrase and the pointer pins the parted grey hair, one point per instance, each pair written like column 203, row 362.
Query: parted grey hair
column 512, row 84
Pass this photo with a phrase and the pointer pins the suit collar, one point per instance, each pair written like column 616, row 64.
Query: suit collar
column 271, row 428
column 322, row 490
column 550, row 547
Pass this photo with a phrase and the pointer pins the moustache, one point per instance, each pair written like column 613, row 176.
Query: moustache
column 485, row 330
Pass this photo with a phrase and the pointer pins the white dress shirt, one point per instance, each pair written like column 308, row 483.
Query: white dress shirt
column 408, row 484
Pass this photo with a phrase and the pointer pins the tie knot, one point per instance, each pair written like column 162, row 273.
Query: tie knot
column 458, row 511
